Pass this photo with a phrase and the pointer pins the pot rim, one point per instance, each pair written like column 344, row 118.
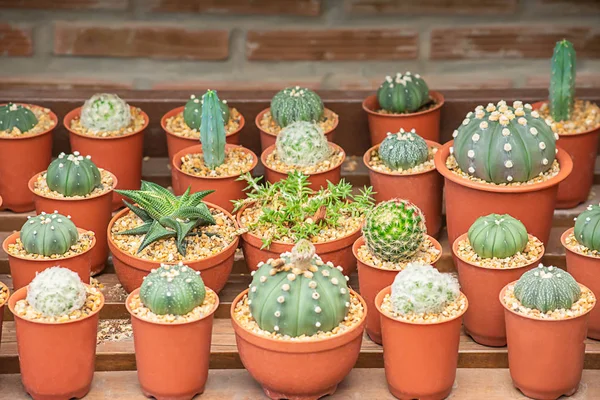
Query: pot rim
column 538, row 104
column 109, row 192
column 177, row 110
column 15, row 235
column 367, row 159
column 2, row 285
column 271, row 148
column 196, row 149
column 563, row 239
column 260, row 114
column 361, row 240
column 53, row 117
column 76, row 112
column 437, row 96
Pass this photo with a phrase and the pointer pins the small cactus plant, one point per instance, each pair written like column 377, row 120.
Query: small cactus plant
column 403, row 93
column 212, row 130
column 394, row 230
column 587, row 227
column 56, row 291
column 403, row 150
column 295, row 104
column 105, row 112
column 302, row 144
column 16, row 116
column 73, row 175
column 562, row 81
column 192, row 113
column 298, row 294
column 497, row 236
column 48, row 234
column 547, row 289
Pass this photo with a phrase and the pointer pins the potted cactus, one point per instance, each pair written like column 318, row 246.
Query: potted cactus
column 56, row 319
column 172, row 317
column 213, row 164
column 402, row 167
column 494, row 252
column 404, row 101
column 394, row 235
column 45, row 241
column 302, row 146
column 112, row 132
column 4, row 295
column 73, row 185
column 503, row 160
column 546, row 313
column 25, row 149
column 291, row 105
column 298, row 316
column 421, row 315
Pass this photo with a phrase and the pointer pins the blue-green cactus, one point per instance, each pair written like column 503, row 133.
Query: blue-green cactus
column 587, row 227
column 402, row 94
column 48, row 234
column 212, row 130
column 403, row 150
column 295, row 104
column 73, row 175
column 192, row 113
column 547, row 289
column 497, row 236
column 562, row 81
column 16, row 116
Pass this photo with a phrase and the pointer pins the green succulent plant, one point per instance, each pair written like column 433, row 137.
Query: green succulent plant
column 212, row 130
column 48, row 234
column 403, row 93
column 73, row 175
column 562, row 81
column 403, row 150
column 295, row 104
column 16, row 116
column 302, row 144
column 547, row 289
column 497, row 236
column 192, row 112
column 587, row 227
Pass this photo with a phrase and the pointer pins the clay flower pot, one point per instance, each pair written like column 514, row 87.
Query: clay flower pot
column 92, row 213
column 296, row 370
column 427, row 122
column 20, row 159
column 484, row 320
column 467, row 200
column 371, row 280
column 317, row 180
column 23, row 269
column 2, row 303
column 226, row 188
column 56, row 359
column 424, row 189
column 120, row 155
column 172, row 358
column 420, row 358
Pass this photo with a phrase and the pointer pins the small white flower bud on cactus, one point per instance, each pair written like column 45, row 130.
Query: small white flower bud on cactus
column 56, row 291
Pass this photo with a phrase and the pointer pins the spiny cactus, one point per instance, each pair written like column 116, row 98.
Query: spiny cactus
column 402, row 94
column 56, row 291
column 48, row 234
column 497, row 236
column 503, row 144
column 302, row 144
column 298, row 294
column 172, row 289
column 104, row 112
column 394, row 230
column 16, row 116
column 562, row 81
column 587, row 227
column 547, row 289
column 403, row 150
column 73, row 175
column 212, row 130
column 192, row 113
column 295, row 104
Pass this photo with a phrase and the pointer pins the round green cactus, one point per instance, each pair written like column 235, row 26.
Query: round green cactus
column 16, row 116
column 403, row 93
column 192, row 113
column 498, row 236
column 395, row 230
column 587, row 227
column 56, row 291
column 503, row 144
column 73, row 175
column 105, row 112
column 295, row 104
column 302, row 144
column 298, row 294
column 403, row 150
column 48, row 234
column 547, row 289
column 172, row 289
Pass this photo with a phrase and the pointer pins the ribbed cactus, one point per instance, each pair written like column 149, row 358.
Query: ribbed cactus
column 403, row 150
column 56, row 291
column 394, row 230
column 212, row 130
column 48, row 234
column 587, row 227
column 16, row 116
column 104, row 112
column 295, row 104
column 298, row 294
column 192, row 113
column 302, row 144
column 503, row 144
column 403, row 93
column 547, row 289
column 497, row 236
column 172, row 289
column 73, row 175
column 562, row 81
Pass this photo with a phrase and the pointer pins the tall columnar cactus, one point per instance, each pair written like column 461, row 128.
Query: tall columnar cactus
column 73, row 175
column 298, row 294
column 302, row 144
column 212, row 130
column 172, row 289
column 192, row 113
column 547, row 289
column 394, row 230
column 48, row 234
column 403, row 150
column 16, row 116
column 497, row 236
column 503, row 144
column 104, row 112
column 56, row 291
column 402, row 94
column 295, row 104
column 587, row 227
column 562, row 81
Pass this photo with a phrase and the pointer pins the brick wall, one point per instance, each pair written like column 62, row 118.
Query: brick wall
column 255, row 44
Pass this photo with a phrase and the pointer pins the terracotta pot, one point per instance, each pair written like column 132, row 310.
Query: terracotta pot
column 267, row 139
column 79, row 210
column 131, row 270
column 172, row 359
column 176, row 143
column 317, row 180
column 56, row 359
column 545, row 357
column 467, row 200
column 424, row 189
column 23, row 270
column 298, row 370
column 120, row 155
column 20, row 159
column 371, row 280
column 420, row 358
column 484, row 320
column 226, row 188
column 426, row 123
column 2, row 309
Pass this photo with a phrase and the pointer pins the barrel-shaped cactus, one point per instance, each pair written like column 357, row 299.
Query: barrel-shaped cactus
column 547, row 289
column 562, row 81
column 302, row 144
column 298, row 294
column 16, row 116
column 192, row 112
column 48, row 234
column 295, row 104
column 212, row 130
column 56, row 291
column 403, row 150
column 104, row 112
column 497, row 236
column 587, row 227
column 73, row 175
column 403, row 93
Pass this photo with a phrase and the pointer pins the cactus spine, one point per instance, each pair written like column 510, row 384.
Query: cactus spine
column 295, row 104
column 587, row 227
column 16, row 116
column 192, row 112
column 302, row 144
column 212, row 131
column 56, row 291
column 403, row 93
column 403, row 150
column 562, row 81
column 498, row 236
column 547, row 289
column 48, row 234
column 73, row 175
column 105, row 112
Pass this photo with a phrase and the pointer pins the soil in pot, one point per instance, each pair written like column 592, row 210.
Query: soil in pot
column 4, row 294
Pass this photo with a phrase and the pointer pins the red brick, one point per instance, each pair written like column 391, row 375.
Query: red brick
column 560, row 7
column 456, row 7
column 434, row 81
column 66, row 4
column 332, row 44
column 51, row 82
column 15, row 40
column 264, row 7
column 134, row 39
column 250, row 85
column 583, row 80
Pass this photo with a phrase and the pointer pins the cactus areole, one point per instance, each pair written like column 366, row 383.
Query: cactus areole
column 562, row 81
column 48, row 234
column 295, row 104
column 403, row 93
column 403, row 150
column 212, row 130
column 73, row 175
column 547, row 289
column 497, row 236
column 16, row 116
column 192, row 112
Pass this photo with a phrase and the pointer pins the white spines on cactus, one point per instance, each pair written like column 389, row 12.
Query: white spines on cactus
column 302, row 144
column 56, row 291
column 104, row 112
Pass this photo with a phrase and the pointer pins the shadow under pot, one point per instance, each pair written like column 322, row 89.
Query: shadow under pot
column 4, row 295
